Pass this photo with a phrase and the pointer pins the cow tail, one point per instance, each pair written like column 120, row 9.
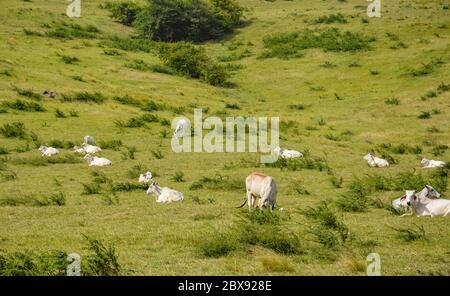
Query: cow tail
column 245, row 201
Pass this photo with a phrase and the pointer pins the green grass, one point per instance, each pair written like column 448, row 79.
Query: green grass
column 381, row 112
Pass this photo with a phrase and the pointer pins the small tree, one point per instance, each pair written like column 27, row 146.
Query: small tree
column 187, row 20
column 124, row 12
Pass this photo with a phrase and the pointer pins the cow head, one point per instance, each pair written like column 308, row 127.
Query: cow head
column 424, row 162
column 89, row 158
column 411, row 197
column 431, row 192
column 368, row 156
column 42, row 148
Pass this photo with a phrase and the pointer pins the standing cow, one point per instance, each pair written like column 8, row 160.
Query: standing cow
column 263, row 187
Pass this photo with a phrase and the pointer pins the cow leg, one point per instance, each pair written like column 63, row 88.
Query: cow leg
column 249, row 200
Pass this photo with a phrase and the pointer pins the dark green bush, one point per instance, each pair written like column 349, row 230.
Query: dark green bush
column 13, row 130
column 85, row 97
column 22, row 105
column 189, row 60
column 193, row 20
column 289, row 45
column 125, row 12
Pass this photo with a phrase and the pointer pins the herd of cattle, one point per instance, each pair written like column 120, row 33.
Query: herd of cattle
column 261, row 190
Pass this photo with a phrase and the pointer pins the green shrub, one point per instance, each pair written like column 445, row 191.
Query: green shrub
column 69, row 59
column 229, row 12
column 218, row 245
column 61, row 144
column 27, row 93
column 142, row 66
column 85, row 97
column 130, row 44
column 427, row 68
column 13, row 130
column 191, row 61
column 424, row 115
column 218, row 182
column 111, row 144
column 329, row 220
column 103, row 261
column 184, row 58
column 65, row 30
column 410, row 234
column 128, row 186
column 29, row 263
column 91, row 188
column 181, row 20
column 330, row 19
column 44, row 161
column 59, row 113
column 178, row 177
column 303, row 163
column 392, row 101
column 22, row 105
column 289, row 45
column 127, row 100
column 124, row 12
column 3, row 151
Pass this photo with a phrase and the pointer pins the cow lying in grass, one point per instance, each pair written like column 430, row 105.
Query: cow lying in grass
column 147, row 178
column 423, row 206
column 86, row 149
column 97, row 161
column 428, row 191
column 48, row 151
column 285, row 153
column 430, row 163
column 164, row 194
column 263, row 187
column 374, row 161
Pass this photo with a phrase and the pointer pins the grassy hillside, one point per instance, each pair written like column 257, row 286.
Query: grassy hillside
column 336, row 105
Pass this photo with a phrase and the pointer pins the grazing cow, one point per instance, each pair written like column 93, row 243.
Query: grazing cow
column 90, row 149
column 423, row 206
column 285, row 153
column 147, row 178
column 430, row 163
column 48, row 151
column 97, row 161
column 89, row 140
column 182, row 129
column 262, row 187
column 427, row 191
column 164, row 194
column 374, row 161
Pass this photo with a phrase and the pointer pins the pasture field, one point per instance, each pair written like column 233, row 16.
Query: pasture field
column 391, row 97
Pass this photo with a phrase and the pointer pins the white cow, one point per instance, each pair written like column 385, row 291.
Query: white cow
column 78, row 150
column 423, row 206
column 89, row 140
column 285, row 153
column 427, row 191
column 90, row 149
column 263, row 187
column 374, row 161
column 145, row 178
column 430, row 163
column 97, row 161
column 182, row 129
column 164, row 194
column 48, row 151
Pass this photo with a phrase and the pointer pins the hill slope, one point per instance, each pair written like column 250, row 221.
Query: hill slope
column 338, row 105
